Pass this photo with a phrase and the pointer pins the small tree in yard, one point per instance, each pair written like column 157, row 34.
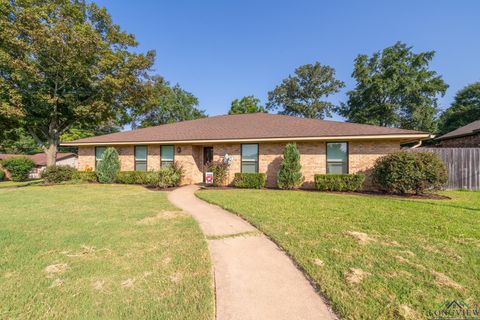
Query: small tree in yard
column 109, row 166
column 289, row 175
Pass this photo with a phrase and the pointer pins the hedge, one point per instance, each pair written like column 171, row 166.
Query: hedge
column 163, row 178
column 56, row 174
column 250, row 180
column 339, row 182
column 2, row 175
column 18, row 167
column 86, row 176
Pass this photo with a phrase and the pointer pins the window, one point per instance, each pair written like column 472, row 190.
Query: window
column 249, row 158
column 337, row 157
column 166, row 154
column 141, row 158
column 98, row 155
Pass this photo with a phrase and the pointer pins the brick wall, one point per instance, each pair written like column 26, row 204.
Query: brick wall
column 472, row 141
column 86, row 158
column 362, row 156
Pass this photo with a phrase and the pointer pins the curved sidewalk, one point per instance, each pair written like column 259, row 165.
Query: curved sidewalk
column 254, row 279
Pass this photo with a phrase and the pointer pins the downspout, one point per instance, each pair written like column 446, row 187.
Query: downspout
column 417, row 145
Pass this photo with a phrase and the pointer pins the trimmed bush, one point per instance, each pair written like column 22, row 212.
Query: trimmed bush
column 56, row 174
column 289, row 176
column 131, row 177
column 220, row 171
column 18, row 167
column 2, row 175
column 108, row 168
column 86, row 176
column 409, row 172
column 163, row 178
column 250, row 180
column 339, row 182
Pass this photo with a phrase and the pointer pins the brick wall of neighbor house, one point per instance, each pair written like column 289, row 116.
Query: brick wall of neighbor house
column 362, row 156
column 472, row 141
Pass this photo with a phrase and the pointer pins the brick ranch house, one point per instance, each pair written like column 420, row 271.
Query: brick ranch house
column 254, row 141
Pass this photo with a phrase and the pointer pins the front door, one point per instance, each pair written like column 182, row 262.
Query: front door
column 207, row 157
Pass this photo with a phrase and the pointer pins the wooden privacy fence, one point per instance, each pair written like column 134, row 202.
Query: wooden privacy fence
column 463, row 165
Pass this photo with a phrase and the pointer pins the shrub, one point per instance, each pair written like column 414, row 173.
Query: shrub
column 220, row 171
column 18, row 167
column 86, row 176
column 56, row 174
column 289, row 175
column 2, row 175
column 163, row 178
column 407, row 172
column 109, row 166
column 131, row 177
column 250, row 180
column 339, row 182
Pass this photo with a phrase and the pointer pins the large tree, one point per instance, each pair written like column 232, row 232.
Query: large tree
column 395, row 88
column 166, row 104
column 64, row 64
column 464, row 109
column 303, row 94
column 247, row 104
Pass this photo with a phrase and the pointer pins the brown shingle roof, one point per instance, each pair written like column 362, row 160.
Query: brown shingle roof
column 244, row 126
column 467, row 130
column 40, row 159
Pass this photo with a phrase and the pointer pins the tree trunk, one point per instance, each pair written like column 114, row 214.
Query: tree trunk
column 51, row 152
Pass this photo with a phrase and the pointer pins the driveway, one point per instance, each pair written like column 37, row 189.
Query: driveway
column 254, row 279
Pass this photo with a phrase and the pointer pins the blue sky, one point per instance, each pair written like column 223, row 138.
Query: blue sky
column 222, row 50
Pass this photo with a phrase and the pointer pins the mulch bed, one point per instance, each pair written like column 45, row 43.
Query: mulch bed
column 431, row 196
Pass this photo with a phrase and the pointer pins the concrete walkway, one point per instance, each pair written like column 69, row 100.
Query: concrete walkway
column 254, row 279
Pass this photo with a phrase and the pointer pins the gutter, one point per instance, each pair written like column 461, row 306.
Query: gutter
column 414, row 137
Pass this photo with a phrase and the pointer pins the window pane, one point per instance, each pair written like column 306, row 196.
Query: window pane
column 141, row 153
column 164, row 164
column 167, row 153
column 140, row 165
column 99, row 152
column 249, row 167
column 249, row 152
column 337, row 152
column 337, row 168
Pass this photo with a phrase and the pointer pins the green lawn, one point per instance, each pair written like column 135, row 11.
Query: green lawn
column 10, row 184
column 100, row 251
column 373, row 257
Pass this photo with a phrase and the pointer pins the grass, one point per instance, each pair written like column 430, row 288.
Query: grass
column 373, row 257
column 100, row 252
column 11, row 184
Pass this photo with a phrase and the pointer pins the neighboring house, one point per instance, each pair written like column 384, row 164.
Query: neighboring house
column 40, row 161
column 465, row 137
column 255, row 143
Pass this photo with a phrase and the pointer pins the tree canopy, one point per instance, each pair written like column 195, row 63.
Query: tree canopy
column 247, row 104
column 166, row 104
column 63, row 64
column 303, row 95
column 395, row 88
column 464, row 109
